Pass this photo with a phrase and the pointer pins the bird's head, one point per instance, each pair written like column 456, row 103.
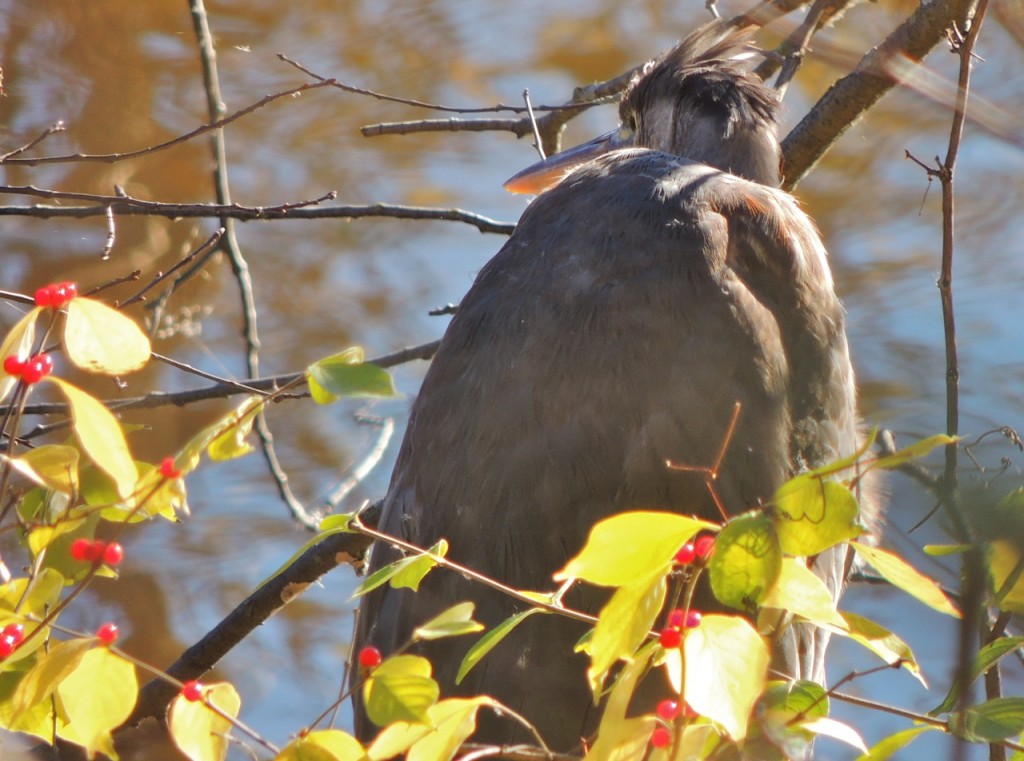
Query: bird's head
column 697, row 101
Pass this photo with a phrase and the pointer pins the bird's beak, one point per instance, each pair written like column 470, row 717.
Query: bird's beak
column 544, row 174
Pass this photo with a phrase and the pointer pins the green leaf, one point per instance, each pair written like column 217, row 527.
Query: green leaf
column 53, row 466
column 746, row 562
column 97, row 697
column 726, row 670
column 101, row 437
column 199, row 733
column 991, row 721
column 346, row 374
column 797, row 698
column 631, row 547
column 985, row 658
column 486, row 643
column 901, row 574
column 47, row 673
column 915, row 451
column 405, row 572
column 623, row 625
column 99, row 339
column 885, row 749
column 454, row 622
column 323, row 745
column 800, row 592
column 942, row 550
column 881, row 642
column 18, row 342
column 400, row 689
column 811, row 514
column 1006, row 568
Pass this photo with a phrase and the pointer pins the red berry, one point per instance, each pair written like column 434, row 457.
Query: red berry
column 15, row 632
column 667, row 709
column 370, row 657
column 96, row 549
column 670, row 638
column 676, row 618
column 8, row 645
column 63, row 293
column 686, row 554
column 44, row 296
column 661, row 737
column 113, row 553
column 81, row 549
column 192, row 691
column 13, row 365
column 107, row 633
column 167, row 469
column 704, row 546
column 36, row 368
column 692, row 619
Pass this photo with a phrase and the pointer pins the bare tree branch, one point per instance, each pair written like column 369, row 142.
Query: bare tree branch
column 849, row 98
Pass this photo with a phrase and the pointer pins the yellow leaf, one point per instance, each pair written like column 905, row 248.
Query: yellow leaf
column 899, row 573
column 47, row 673
column 623, row 625
column 400, row 689
column 836, row 730
column 1004, row 561
column 230, row 442
column 800, row 592
column 38, row 722
column 101, row 437
column 198, row 732
column 18, row 342
column 881, row 642
column 97, row 697
column 812, row 514
column 631, row 547
column 53, row 466
column 99, row 339
column 323, row 745
column 726, row 669
column 617, row 735
column 453, row 721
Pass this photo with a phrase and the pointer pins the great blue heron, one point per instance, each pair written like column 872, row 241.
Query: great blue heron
column 636, row 302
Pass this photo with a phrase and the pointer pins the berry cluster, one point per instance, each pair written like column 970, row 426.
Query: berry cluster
column 678, row 620
column 11, row 636
column 698, row 550
column 31, row 370
column 107, row 633
column 56, row 295
column 167, row 469
column 96, row 551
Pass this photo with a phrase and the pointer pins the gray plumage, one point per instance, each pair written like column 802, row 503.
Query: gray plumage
column 634, row 304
